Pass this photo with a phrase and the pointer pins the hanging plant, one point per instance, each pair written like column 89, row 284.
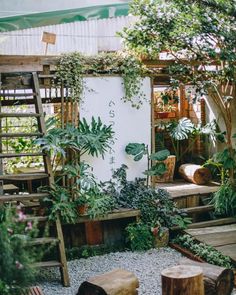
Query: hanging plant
column 72, row 68
column 69, row 73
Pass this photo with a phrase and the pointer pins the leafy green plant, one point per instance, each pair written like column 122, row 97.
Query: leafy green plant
column 155, row 205
column 139, row 236
column 138, row 150
column 59, row 204
column 206, row 252
column 17, row 258
column 73, row 67
column 99, row 204
column 93, row 139
column 190, row 33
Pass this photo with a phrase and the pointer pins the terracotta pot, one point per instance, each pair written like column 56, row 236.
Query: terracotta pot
column 162, row 115
column 82, row 209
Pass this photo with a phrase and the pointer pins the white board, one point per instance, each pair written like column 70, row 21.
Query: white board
column 129, row 124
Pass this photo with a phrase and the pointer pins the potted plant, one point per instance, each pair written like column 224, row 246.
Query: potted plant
column 161, row 235
column 165, row 103
column 163, row 164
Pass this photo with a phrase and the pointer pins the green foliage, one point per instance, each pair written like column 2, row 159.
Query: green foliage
column 73, row 67
column 224, row 200
column 139, row 236
column 17, row 258
column 92, row 138
column 59, row 203
column 99, row 204
column 208, row 253
column 155, row 205
column 180, row 130
column 138, row 150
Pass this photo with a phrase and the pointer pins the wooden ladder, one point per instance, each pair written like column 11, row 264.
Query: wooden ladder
column 47, row 174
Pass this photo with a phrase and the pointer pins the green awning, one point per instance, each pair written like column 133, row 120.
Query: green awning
column 33, row 20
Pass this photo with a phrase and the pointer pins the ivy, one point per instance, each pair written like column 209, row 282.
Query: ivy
column 73, row 67
column 206, row 252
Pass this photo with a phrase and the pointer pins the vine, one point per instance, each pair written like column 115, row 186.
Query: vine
column 72, row 68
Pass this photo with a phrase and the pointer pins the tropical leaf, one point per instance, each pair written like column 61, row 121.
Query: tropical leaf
column 160, row 156
column 138, row 150
column 158, row 169
column 182, row 129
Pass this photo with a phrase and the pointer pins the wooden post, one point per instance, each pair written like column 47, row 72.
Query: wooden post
column 182, row 280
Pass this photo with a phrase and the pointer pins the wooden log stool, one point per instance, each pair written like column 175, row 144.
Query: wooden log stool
column 217, row 280
column 116, row 282
column 195, row 173
column 182, row 280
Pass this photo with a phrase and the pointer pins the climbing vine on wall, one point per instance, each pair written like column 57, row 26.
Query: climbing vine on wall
column 73, row 67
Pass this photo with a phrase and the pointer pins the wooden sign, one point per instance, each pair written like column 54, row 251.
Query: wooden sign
column 49, row 38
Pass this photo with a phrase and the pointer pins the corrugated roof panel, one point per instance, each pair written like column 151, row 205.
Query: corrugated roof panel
column 87, row 37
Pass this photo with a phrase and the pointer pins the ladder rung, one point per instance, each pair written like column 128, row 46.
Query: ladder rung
column 47, row 264
column 19, row 115
column 24, row 176
column 43, row 241
column 3, row 94
column 21, row 155
column 36, row 218
column 23, row 197
column 13, row 135
column 46, row 76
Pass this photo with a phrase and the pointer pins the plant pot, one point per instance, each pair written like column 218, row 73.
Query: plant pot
column 162, row 115
column 163, row 240
column 169, row 174
column 82, row 209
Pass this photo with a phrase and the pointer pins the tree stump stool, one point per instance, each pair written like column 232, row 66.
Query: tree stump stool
column 217, row 280
column 182, row 280
column 116, row 282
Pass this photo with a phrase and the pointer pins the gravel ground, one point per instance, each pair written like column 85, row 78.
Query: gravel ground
column 146, row 265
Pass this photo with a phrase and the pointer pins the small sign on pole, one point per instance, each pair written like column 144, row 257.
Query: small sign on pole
column 48, row 38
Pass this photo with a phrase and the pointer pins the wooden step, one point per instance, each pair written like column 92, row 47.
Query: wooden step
column 19, row 115
column 43, row 241
column 23, row 197
column 15, row 155
column 4, row 94
column 199, row 209
column 222, row 221
column 14, row 135
column 47, row 264
column 24, row 176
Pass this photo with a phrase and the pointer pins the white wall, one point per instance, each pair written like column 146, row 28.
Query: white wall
column 129, row 124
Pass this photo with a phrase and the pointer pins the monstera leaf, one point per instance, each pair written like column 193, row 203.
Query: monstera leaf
column 182, row 129
column 158, row 169
column 160, row 156
column 138, row 150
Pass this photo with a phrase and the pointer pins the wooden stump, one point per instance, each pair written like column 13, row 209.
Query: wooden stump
column 116, row 282
column 195, row 173
column 182, row 280
column 217, row 280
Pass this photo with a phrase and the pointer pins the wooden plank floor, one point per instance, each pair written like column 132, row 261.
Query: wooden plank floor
column 181, row 188
column 223, row 238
